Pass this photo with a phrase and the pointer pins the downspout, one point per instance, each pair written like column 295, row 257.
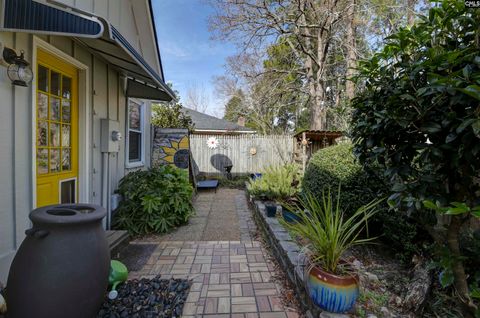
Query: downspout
column 105, row 187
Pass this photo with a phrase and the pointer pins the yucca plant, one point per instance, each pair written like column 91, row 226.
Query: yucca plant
column 328, row 230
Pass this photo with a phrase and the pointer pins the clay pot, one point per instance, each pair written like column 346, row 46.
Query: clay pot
column 61, row 268
column 331, row 292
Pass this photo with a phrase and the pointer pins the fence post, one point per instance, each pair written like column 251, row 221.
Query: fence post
column 304, row 151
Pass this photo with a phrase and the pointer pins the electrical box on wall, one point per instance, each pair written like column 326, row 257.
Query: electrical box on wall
column 110, row 135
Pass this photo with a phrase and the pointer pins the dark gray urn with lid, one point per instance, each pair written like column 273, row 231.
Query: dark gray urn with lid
column 61, row 268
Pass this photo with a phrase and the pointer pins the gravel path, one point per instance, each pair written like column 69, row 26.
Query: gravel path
column 216, row 218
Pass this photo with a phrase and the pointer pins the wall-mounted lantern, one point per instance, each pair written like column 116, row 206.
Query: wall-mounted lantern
column 19, row 71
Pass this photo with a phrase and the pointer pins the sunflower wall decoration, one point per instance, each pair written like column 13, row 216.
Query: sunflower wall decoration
column 173, row 149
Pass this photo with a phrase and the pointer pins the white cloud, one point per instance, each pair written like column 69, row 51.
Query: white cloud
column 169, row 48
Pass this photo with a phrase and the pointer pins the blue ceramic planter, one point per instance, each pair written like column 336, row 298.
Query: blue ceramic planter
column 289, row 216
column 331, row 292
column 254, row 176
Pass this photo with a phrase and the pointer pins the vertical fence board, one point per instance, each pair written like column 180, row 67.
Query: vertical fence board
column 237, row 151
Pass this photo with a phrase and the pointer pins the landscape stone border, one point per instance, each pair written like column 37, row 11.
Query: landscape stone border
column 288, row 254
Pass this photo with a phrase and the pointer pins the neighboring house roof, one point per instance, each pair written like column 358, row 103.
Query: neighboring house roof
column 207, row 123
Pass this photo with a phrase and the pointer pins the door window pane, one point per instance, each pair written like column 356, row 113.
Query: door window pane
column 54, row 160
column 66, row 160
column 54, row 108
column 42, row 133
column 66, row 111
column 42, row 161
column 66, row 87
column 54, row 135
column 134, row 144
column 42, row 108
column 65, row 135
column 54, row 83
column 42, row 76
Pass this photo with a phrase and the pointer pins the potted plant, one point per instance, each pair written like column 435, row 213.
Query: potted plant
column 277, row 184
column 271, row 209
column 288, row 213
column 330, row 281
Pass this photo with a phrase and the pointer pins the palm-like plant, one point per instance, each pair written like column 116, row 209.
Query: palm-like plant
column 328, row 230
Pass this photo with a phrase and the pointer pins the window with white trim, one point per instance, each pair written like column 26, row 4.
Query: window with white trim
column 136, row 133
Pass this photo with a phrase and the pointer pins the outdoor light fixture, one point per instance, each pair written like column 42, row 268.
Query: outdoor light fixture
column 18, row 71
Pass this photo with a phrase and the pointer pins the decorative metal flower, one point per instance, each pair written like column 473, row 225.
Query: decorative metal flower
column 212, row 143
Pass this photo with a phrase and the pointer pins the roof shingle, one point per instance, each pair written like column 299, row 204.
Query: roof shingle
column 207, row 122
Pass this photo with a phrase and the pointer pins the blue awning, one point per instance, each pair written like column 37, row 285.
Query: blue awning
column 34, row 17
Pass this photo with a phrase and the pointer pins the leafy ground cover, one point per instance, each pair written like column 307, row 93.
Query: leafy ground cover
column 155, row 200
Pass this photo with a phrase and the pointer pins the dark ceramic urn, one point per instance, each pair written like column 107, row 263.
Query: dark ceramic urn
column 61, row 268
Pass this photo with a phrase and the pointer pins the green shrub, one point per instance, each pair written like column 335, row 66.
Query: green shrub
column 276, row 183
column 333, row 166
column 155, row 200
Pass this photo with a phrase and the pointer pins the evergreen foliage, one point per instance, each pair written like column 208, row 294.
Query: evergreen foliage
column 155, row 200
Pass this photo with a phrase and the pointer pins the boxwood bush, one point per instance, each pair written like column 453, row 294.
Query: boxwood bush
column 155, row 200
column 336, row 165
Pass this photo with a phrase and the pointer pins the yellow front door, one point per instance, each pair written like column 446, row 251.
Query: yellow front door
column 57, row 130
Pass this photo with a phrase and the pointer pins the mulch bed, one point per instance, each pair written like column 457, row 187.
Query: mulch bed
column 147, row 298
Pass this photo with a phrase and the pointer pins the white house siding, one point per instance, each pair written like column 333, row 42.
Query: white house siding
column 15, row 154
column 106, row 100
column 131, row 18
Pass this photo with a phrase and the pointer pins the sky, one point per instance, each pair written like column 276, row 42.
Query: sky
column 189, row 57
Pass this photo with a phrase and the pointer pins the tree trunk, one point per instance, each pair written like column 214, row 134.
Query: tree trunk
column 411, row 12
column 351, row 51
column 460, row 278
column 318, row 116
column 419, row 286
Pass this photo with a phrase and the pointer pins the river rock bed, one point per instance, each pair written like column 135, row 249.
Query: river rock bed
column 145, row 298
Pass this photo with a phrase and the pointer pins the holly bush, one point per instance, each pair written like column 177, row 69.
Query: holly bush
column 154, row 200
column 418, row 119
column 336, row 166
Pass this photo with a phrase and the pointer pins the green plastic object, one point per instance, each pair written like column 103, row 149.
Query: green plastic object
column 118, row 275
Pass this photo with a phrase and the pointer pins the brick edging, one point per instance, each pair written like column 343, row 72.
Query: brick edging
column 287, row 252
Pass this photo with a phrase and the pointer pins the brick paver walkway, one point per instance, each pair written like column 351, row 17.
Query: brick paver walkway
column 231, row 278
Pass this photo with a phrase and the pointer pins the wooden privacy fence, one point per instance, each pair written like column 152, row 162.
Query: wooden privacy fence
column 246, row 153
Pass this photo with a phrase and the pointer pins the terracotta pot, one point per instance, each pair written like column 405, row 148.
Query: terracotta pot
column 61, row 268
column 332, row 292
